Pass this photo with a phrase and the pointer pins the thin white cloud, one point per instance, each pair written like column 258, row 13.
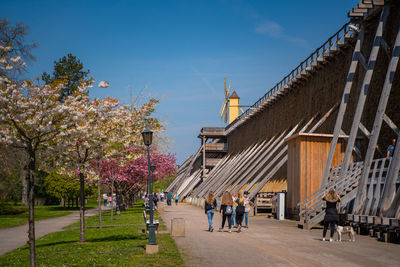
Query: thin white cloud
column 274, row 30
column 270, row 28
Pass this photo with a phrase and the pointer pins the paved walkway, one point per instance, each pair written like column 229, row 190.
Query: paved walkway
column 268, row 242
column 15, row 237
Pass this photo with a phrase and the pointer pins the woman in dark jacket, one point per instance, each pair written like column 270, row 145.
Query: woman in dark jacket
column 209, row 205
column 239, row 211
column 331, row 214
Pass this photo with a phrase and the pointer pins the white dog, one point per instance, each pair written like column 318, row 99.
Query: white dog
column 345, row 230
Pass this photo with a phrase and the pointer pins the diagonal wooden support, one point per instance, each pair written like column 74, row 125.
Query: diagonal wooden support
column 268, row 177
column 226, row 177
column 212, row 179
column 324, row 118
column 267, row 156
column 245, row 164
column 226, row 169
column 364, row 130
column 214, row 170
column 249, row 172
column 390, row 200
column 379, row 117
column 391, row 124
column 343, row 106
column 361, row 102
column 264, row 170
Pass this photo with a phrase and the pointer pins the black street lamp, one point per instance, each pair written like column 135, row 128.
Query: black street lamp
column 147, row 140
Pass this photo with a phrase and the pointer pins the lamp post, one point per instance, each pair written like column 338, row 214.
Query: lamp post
column 147, row 139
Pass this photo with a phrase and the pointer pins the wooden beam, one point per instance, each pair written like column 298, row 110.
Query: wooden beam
column 343, row 106
column 391, row 124
column 380, row 115
column 324, row 118
column 361, row 103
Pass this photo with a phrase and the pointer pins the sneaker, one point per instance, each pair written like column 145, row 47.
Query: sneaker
column 230, row 231
column 239, row 229
column 220, row 230
column 245, row 226
column 212, row 229
column 330, row 240
column 323, row 239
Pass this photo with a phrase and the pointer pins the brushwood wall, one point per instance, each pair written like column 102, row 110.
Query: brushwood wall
column 323, row 89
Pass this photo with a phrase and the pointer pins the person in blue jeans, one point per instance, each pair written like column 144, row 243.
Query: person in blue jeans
column 247, row 208
column 209, row 205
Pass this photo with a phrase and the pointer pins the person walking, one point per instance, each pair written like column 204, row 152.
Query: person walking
column 169, row 198
column 109, row 200
column 390, row 149
column 155, row 200
column 239, row 211
column 105, row 198
column 331, row 214
column 209, row 205
column 176, row 199
column 226, row 210
column 247, row 204
column 233, row 217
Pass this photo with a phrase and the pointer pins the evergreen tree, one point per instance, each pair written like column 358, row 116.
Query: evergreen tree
column 68, row 69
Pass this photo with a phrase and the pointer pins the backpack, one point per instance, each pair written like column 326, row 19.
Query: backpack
column 228, row 210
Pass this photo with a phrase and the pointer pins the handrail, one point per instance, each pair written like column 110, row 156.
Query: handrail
column 340, row 186
column 320, row 52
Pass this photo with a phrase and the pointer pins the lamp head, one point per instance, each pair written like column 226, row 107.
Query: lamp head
column 147, row 136
column 152, row 168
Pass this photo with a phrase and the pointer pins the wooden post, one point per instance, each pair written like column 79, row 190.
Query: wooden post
column 363, row 95
column 343, row 106
column 361, row 193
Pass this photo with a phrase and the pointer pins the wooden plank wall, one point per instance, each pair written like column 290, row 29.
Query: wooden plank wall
column 306, row 159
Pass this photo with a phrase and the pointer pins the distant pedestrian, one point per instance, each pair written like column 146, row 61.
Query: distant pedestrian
column 226, row 210
column 176, row 199
column 390, row 149
column 155, row 200
column 233, row 217
column 239, row 211
column 169, row 198
column 109, row 200
column 331, row 214
column 105, row 198
column 247, row 204
column 209, row 207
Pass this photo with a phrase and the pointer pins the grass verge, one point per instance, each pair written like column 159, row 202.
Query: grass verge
column 41, row 213
column 111, row 246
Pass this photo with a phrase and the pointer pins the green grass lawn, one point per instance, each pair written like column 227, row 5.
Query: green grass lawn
column 41, row 213
column 111, row 246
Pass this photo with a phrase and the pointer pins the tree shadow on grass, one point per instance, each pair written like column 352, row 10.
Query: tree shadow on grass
column 94, row 240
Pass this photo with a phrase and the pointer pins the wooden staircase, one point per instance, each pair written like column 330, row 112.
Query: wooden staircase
column 312, row 209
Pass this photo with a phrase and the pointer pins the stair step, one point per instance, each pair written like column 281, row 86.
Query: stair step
column 378, row 2
column 365, row 5
column 360, row 10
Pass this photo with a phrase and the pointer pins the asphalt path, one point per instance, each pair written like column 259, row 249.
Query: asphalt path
column 15, row 237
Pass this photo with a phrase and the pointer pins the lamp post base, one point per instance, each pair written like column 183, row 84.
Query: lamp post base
column 151, row 249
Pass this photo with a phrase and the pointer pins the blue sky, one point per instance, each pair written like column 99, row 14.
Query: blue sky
column 180, row 50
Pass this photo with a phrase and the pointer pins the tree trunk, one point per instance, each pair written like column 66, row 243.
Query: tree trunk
column 112, row 202
column 24, row 197
column 82, row 209
column 31, row 204
column 99, row 199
